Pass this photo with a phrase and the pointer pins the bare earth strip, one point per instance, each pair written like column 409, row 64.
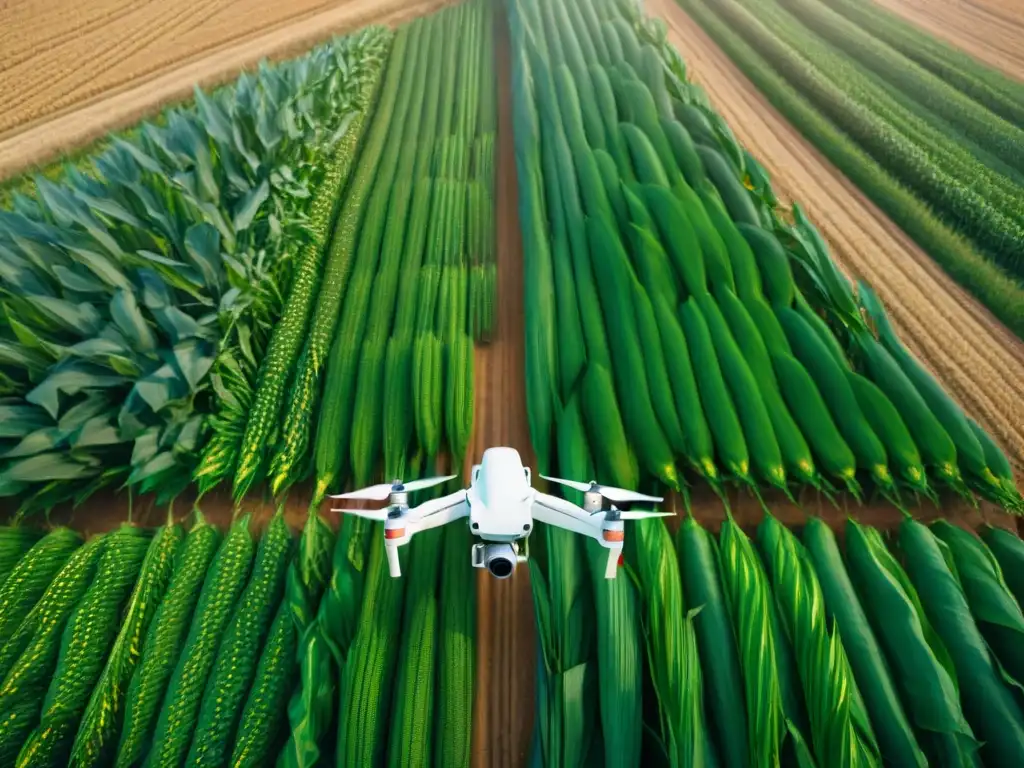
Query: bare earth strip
column 506, row 643
column 122, row 107
column 992, row 31
column 978, row 361
column 1009, row 12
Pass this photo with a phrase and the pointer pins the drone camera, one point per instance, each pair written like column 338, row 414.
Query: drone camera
column 499, row 559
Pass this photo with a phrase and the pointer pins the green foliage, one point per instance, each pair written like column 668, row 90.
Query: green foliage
column 997, row 290
column 125, row 284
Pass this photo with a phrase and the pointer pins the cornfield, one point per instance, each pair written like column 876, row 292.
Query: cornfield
column 283, row 289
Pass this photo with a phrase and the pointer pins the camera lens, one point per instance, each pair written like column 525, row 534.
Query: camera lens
column 500, row 567
column 500, row 560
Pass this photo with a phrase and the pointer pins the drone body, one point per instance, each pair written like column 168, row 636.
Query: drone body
column 502, row 505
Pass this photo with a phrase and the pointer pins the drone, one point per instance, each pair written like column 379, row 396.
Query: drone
column 502, row 506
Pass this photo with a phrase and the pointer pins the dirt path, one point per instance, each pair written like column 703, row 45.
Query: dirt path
column 990, row 30
column 506, row 643
column 115, row 92
column 979, row 361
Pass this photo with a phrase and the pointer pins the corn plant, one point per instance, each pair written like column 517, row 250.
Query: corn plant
column 125, row 284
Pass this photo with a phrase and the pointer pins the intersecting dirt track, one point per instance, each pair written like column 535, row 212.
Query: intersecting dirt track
column 989, row 30
column 506, row 643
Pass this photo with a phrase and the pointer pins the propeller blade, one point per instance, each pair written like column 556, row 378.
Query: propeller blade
column 427, row 482
column 584, row 487
column 637, row 514
column 622, row 496
column 372, row 493
column 619, row 495
column 380, row 515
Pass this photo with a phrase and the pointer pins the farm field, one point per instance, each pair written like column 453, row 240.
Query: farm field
column 55, row 55
column 989, row 31
column 116, row 90
column 443, row 246
column 935, row 145
column 935, row 316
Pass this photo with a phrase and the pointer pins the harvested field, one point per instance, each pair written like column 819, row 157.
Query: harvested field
column 61, row 54
column 979, row 362
column 989, row 30
column 57, row 105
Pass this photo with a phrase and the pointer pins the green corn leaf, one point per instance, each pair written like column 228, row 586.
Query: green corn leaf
column 18, row 419
column 840, row 732
column 991, row 603
column 45, row 467
column 40, row 441
column 990, row 706
column 70, row 379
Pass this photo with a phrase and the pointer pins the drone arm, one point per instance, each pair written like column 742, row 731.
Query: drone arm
column 613, row 562
column 441, row 511
column 555, row 511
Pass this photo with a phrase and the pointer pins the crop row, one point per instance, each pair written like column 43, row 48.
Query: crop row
column 186, row 647
column 244, row 288
column 760, row 363
column 1001, row 94
column 284, row 279
column 133, row 289
column 906, row 128
column 679, row 326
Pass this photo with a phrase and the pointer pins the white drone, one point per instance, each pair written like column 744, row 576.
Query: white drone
column 501, row 506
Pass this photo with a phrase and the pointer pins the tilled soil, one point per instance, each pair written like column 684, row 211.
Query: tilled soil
column 55, row 54
column 68, row 98
column 506, row 642
column 989, row 30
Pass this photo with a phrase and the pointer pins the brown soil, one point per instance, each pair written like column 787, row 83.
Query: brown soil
column 142, row 57
column 55, row 54
column 977, row 359
column 990, row 30
column 506, row 643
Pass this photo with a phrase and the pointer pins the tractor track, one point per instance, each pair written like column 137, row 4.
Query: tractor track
column 989, row 30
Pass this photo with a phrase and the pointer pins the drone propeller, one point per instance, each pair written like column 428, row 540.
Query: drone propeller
column 615, row 495
column 380, row 515
column 640, row 514
column 382, row 491
column 427, row 482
